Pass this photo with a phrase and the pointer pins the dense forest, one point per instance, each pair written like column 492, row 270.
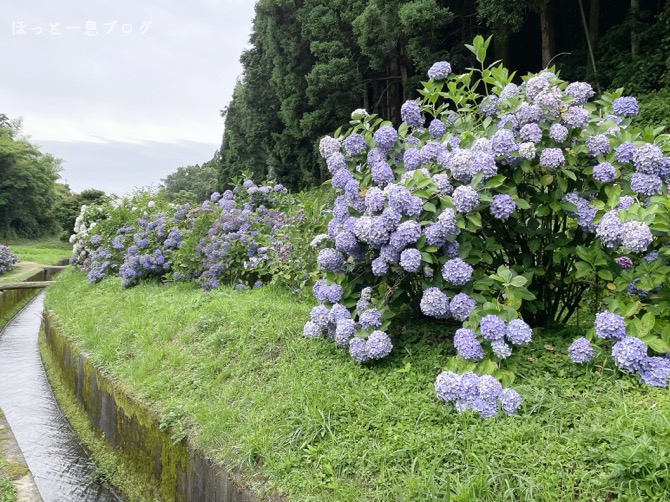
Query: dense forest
column 311, row 62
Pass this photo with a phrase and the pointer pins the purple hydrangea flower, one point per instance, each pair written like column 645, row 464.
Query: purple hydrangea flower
column 651, row 256
column 531, row 132
column 610, row 230
column 510, row 400
column 598, row 145
column 503, row 142
column 410, row 113
column 319, row 316
column 526, row 114
column 371, row 230
column 385, row 137
column 655, row 371
column 558, row 133
column 323, row 292
column 625, row 201
column 358, row 349
column 410, row 260
column 492, row 328
column 401, row 200
column 604, row 172
column 437, row 128
column 468, row 391
column 489, row 106
column 648, row 158
column 576, row 117
column 344, row 330
column 330, row 260
column 431, row 151
column 327, row 146
column 501, row 349
column 625, row 106
column 629, row 354
column 461, row 306
column 534, row 86
column 374, row 199
column 370, row 318
column 518, row 332
column 434, row 303
column 311, row 330
column 485, row 408
column 354, row 144
column 580, row 91
column 381, row 172
column 636, row 236
column 378, row 345
column 624, row 262
column 341, row 178
column 508, row 121
column 467, row 345
column 552, row 158
column 502, row 206
column 509, row 91
column 408, row 232
column 412, row 159
column 439, row 70
column 580, row 351
column 337, row 313
column 610, row 326
column 448, row 386
column 435, row 234
column 489, row 388
column 465, row 198
column 457, row 272
column 335, row 163
column 646, row 184
column 625, row 152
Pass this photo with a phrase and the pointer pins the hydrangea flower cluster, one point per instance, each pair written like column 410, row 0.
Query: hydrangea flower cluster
column 483, row 395
column 7, row 259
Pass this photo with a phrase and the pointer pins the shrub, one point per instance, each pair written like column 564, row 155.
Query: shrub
column 498, row 206
column 7, row 259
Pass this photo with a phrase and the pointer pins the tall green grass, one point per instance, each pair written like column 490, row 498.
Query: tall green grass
column 44, row 251
column 300, row 418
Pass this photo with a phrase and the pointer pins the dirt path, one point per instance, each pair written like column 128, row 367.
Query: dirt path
column 20, row 269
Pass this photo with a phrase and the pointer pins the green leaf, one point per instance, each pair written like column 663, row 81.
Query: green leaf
column 605, row 275
column 522, row 204
column 519, row 281
column 486, row 367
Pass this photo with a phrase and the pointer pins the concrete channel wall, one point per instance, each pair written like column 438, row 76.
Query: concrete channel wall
column 179, row 472
column 11, row 298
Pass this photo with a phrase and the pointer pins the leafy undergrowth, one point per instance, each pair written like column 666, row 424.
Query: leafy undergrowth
column 7, row 491
column 302, row 419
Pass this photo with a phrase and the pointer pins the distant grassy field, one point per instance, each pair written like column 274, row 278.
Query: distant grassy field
column 301, row 419
column 44, row 251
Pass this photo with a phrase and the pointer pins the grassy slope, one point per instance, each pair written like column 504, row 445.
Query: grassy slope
column 303, row 419
column 7, row 492
column 44, row 251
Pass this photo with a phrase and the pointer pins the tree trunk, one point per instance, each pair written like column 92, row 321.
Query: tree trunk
column 393, row 91
column 634, row 36
column 547, row 30
column 500, row 44
column 594, row 14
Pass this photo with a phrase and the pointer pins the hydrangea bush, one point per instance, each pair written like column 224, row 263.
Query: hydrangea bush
column 7, row 259
column 499, row 207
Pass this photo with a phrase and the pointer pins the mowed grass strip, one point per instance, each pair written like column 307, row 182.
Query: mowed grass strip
column 300, row 418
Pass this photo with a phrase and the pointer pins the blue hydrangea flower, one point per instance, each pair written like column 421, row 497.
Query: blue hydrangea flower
column 489, row 106
column 408, row 232
column 410, row 113
column 434, row 303
column 598, row 145
column 509, row 91
column 551, row 100
column 518, row 332
column 648, row 158
column 492, row 328
column 510, row 401
column 431, row 151
column 443, row 184
column 311, row 330
column 609, row 326
column 319, row 316
column 448, row 386
column 381, row 172
column 457, row 272
column 576, row 117
column 646, row 184
column 625, row 106
column 385, row 137
column 465, row 198
column 330, row 260
column 552, row 158
column 370, row 318
column 604, row 172
column 358, row 349
column 341, row 178
column 531, row 132
column 327, row 146
column 467, row 346
column 323, row 292
column 344, row 330
column 468, row 391
column 371, row 230
column 636, row 236
column 580, row 91
column 401, row 200
column 610, row 230
column 501, row 349
column 410, row 260
column 459, row 165
column 625, row 201
column 527, row 113
column 485, row 408
column 437, row 128
column 354, row 144
column 625, row 152
column 629, row 354
column 580, row 351
column 558, row 133
column 378, row 345
column 346, row 242
column 379, row 267
column 412, row 159
column 534, row 86
column 503, row 142
column 502, row 206
column 435, row 234
column 337, row 313
column 461, row 306
column 489, row 388
column 374, row 199
column 655, row 371
column 439, row 70
column 335, row 163
column 651, row 256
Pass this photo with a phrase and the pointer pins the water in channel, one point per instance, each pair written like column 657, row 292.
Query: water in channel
column 61, row 468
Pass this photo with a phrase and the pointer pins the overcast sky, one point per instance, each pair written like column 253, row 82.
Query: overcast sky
column 123, row 91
